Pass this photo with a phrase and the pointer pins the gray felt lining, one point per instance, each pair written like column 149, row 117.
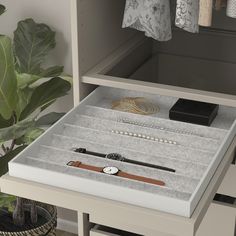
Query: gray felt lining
column 183, row 140
column 91, row 128
column 132, row 184
column 152, row 147
column 186, row 168
column 186, row 128
column 172, row 181
column 224, row 119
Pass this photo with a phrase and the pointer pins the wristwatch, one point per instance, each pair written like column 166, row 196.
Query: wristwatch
column 112, row 170
column 118, row 157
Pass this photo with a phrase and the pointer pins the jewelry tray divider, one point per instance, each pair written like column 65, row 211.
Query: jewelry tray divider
column 195, row 155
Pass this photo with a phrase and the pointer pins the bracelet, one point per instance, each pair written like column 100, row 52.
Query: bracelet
column 127, row 121
column 143, row 136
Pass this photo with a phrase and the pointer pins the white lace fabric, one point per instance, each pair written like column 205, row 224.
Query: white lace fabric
column 154, row 16
column 150, row 16
column 187, row 14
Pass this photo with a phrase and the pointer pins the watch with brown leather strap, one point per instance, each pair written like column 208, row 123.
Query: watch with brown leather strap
column 112, row 170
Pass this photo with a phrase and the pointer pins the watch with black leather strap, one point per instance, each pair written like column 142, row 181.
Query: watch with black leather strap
column 118, row 157
column 112, row 170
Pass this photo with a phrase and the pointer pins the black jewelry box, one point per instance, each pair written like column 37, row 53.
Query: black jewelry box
column 194, row 112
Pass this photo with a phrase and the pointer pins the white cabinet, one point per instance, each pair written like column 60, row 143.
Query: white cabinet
column 219, row 220
column 113, row 58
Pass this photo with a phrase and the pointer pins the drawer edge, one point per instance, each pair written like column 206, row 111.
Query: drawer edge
column 227, row 186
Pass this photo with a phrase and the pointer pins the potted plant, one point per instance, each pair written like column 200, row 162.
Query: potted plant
column 26, row 89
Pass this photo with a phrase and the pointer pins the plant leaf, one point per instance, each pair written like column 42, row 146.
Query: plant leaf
column 47, row 105
column 24, row 96
column 5, row 123
column 8, row 157
column 49, row 119
column 67, row 78
column 32, row 135
column 2, row 9
column 24, row 80
column 32, row 43
column 8, row 83
column 52, row 71
column 45, row 94
column 16, row 131
column 20, row 141
column 7, row 201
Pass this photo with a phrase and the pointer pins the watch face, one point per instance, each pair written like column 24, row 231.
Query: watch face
column 110, row 170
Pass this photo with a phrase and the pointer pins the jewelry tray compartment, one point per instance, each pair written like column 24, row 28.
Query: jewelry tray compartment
column 193, row 151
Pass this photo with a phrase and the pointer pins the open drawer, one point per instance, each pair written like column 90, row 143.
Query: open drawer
column 193, row 151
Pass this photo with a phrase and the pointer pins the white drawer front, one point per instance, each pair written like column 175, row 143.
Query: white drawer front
column 219, row 220
column 228, row 186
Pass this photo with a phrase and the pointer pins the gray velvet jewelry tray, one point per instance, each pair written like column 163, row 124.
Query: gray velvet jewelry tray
column 195, row 155
column 174, row 182
column 147, row 146
column 188, row 129
column 186, row 168
column 196, row 142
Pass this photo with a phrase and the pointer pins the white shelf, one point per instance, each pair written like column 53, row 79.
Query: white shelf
column 148, row 71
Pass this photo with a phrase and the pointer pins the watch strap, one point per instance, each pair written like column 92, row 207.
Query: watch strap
column 140, row 178
column 86, row 167
column 122, row 174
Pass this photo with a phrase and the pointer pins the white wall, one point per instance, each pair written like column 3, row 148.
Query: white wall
column 56, row 14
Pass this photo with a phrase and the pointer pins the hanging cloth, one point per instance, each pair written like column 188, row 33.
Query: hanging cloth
column 187, row 13
column 231, row 8
column 205, row 12
column 150, row 16
column 220, row 4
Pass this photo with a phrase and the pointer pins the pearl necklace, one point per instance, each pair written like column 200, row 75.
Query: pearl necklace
column 143, row 136
column 127, row 121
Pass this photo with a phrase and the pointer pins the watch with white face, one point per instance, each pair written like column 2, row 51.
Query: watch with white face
column 112, row 170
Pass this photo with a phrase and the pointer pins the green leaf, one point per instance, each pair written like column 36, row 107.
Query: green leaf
column 49, row 119
column 2, row 9
column 32, row 43
column 52, row 71
column 16, row 131
column 8, row 157
column 67, row 78
column 5, row 123
column 24, row 99
column 45, row 94
column 8, row 83
column 7, row 201
column 47, row 105
column 20, row 141
column 32, row 135
column 24, row 80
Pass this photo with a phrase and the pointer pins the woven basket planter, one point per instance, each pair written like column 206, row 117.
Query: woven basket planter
column 49, row 228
